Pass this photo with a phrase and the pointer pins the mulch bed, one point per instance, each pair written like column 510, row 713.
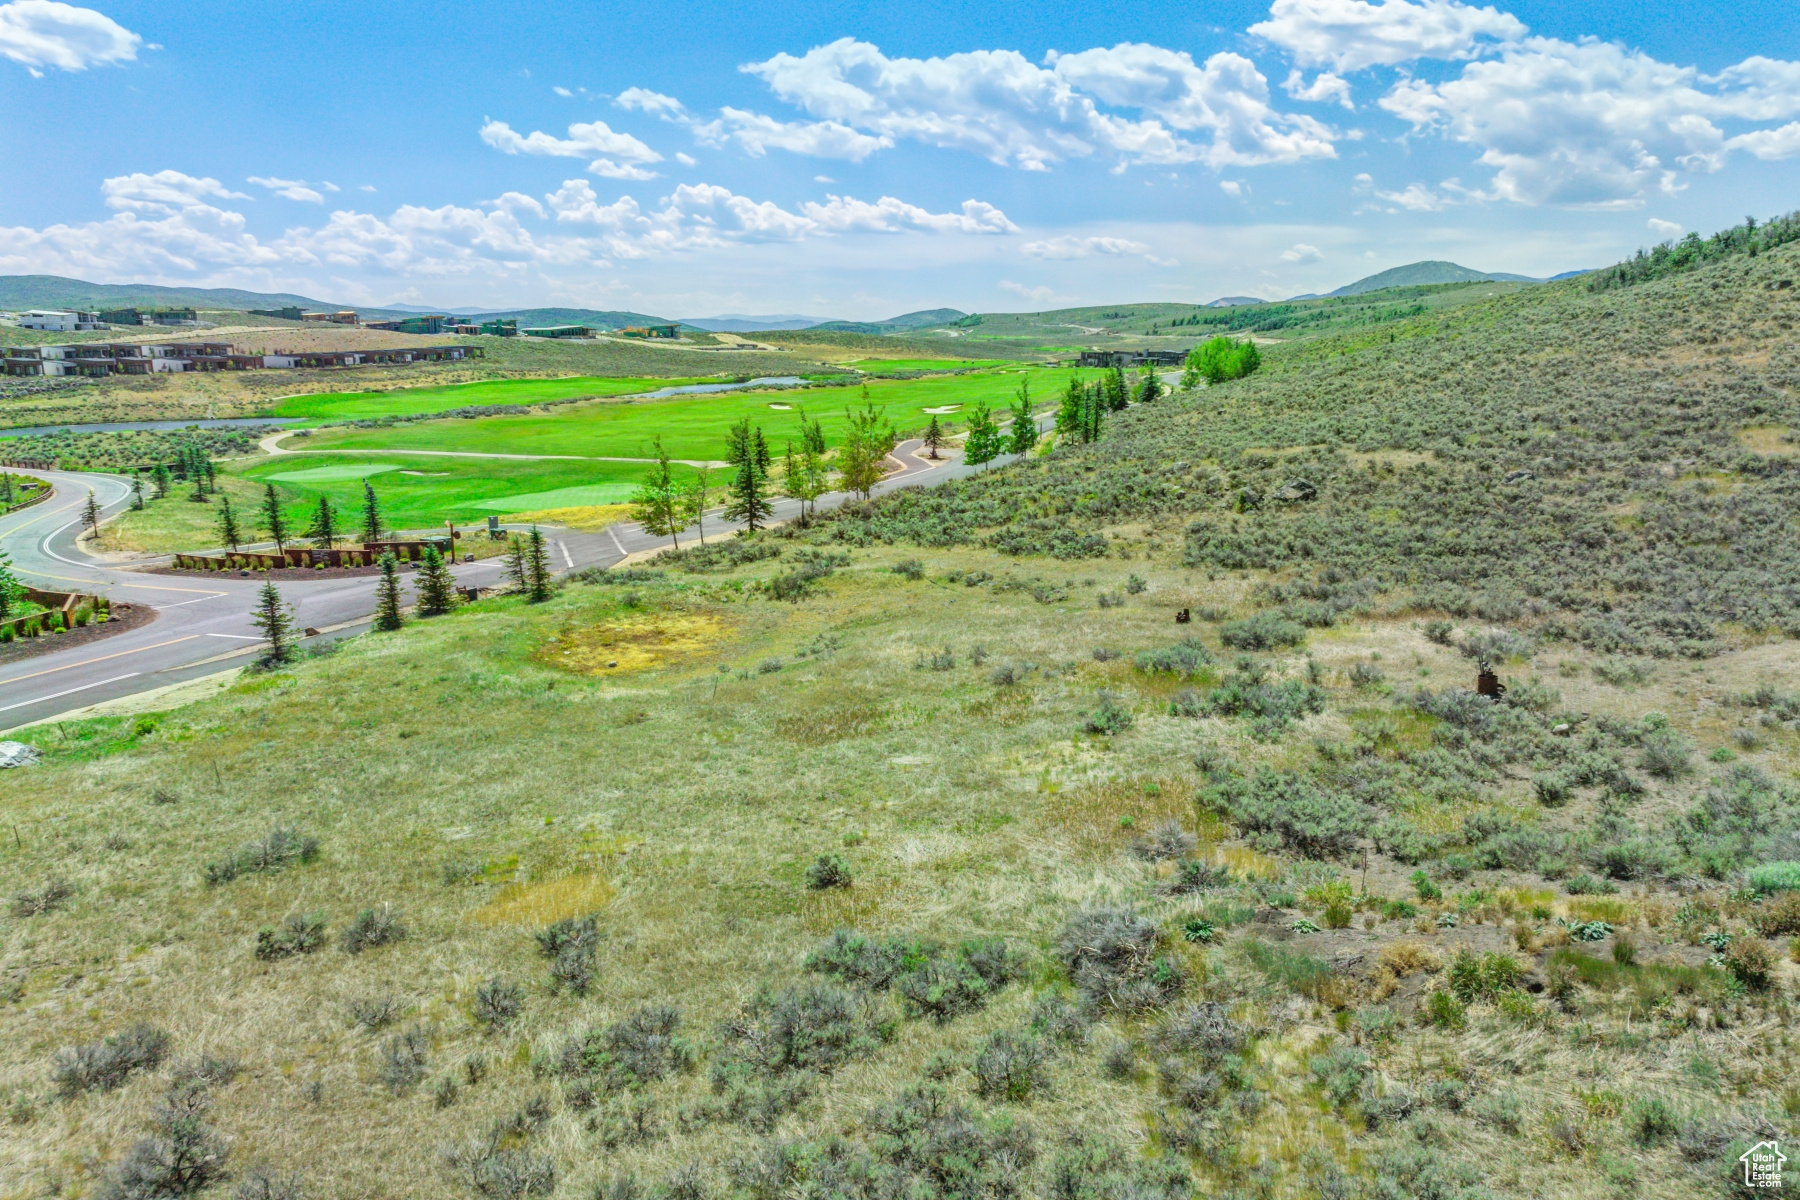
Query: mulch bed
column 280, row 575
column 124, row 617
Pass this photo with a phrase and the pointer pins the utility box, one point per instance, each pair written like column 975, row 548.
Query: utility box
column 494, row 531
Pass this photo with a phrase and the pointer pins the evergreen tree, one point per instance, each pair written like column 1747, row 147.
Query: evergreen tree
column 276, row 621
column 737, row 441
column 749, row 495
column 1149, row 386
column 137, row 491
column 324, row 531
column 760, row 448
column 6, row 488
column 983, row 443
column 516, row 569
column 371, row 515
column 388, row 616
column 90, row 514
column 198, row 478
column 434, row 585
column 537, row 568
column 1069, row 411
column 1024, row 433
column 813, row 435
column 160, row 477
column 1117, row 395
column 272, row 518
column 10, row 591
column 934, row 438
column 229, row 533
column 212, row 482
column 657, row 503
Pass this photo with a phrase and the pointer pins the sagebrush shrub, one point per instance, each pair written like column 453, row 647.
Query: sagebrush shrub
column 1111, row 955
column 829, row 871
column 573, row 947
column 1009, row 1066
column 498, row 1003
column 373, row 927
column 182, row 1156
column 52, row 896
column 403, row 1059
column 1264, row 631
column 283, row 847
column 298, row 934
column 105, row 1064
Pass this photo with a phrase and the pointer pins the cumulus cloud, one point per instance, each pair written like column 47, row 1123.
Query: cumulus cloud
column 165, row 191
column 293, row 189
column 998, row 104
column 1416, row 197
column 820, row 139
column 686, row 160
column 615, row 155
column 1300, row 252
column 43, row 33
column 1594, row 124
column 639, row 99
column 1325, row 88
column 1667, row 229
column 1351, row 35
column 1234, row 187
column 1042, row 296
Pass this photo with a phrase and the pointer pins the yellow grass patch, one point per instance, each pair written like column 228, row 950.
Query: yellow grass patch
column 635, row 642
column 1404, row 958
column 587, row 518
column 859, row 906
column 1603, row 908
column 1248, row 863
column 537, row 904
column 1769, row 439
column 1094, row 814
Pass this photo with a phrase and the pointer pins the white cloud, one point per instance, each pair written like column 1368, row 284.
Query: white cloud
column 330, row 186
column 643, row 100
column 1350, row 35
column 564, row 92
column 823, row 179
column 165, row 191
column 1668, row 229
column 1769, row 143
column 293, row 189
column 1300, row 252
column 1598, row 125
column 998, row 104
column 1082, row 247
column 615, row 155
column 821, row 139
column 1325, row 88
column 42, row 33
column 367, row 187
column 1234, row 187
column 686, row 160
column 1043, row 296
column 1417, row 198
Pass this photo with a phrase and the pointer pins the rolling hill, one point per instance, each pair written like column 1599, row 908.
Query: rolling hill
column 1422, row 273
column 56, row 291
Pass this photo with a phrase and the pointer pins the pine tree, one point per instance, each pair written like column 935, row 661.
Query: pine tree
column 388, row 616
column 10, row 590
column 324, row 531
column 813, row 435
column 1149, row 386
column 1117, row 395
column 657, row 503
column 749, row 495
column 737, row 441
column 90, row 515
column 537, row 568
column 760, row 448
column 272, row 518
column 198, row 478
column 160, row 477
column 983, row 443
column 1024, row 433
column 229, row 533
column 6, row 488
column 516, row 569
column 212, row 482
column 934, row 438
column 276, row 621
column 434, row 585
column 371, row 515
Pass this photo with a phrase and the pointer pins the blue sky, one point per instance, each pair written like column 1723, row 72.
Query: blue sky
column 862, row 161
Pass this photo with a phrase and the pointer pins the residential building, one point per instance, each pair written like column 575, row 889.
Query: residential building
column 341, row 317
column 1133, row 358
column 53, row 320
column 559, row 331
column 100, row 359
column 651, row 331
column 291, row 313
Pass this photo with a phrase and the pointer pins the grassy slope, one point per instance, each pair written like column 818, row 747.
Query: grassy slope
column 394, row 402
column 683, row 806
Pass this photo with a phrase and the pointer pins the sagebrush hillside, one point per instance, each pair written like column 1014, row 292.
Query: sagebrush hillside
column 1119, row 825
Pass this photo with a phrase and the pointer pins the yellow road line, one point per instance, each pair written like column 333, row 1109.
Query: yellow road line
column 86, row 661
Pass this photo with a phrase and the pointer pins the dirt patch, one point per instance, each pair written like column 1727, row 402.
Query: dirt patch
column 124, row 617
column 634, row 643
column 1776, row 440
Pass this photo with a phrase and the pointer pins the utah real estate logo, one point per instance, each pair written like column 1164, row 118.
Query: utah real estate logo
column 1762, row 1165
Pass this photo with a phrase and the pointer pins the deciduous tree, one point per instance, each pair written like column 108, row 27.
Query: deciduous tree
column 982, row 445
column 657, row 504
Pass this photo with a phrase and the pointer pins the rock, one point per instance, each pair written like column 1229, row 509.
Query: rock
column 1296, row 489
column 17, row 754
column 1513, row 477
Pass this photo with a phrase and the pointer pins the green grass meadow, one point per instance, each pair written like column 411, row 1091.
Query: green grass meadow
column 406, row 402
column 694, row 427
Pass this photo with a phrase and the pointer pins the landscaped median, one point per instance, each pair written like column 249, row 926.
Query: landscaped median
column 68, row 617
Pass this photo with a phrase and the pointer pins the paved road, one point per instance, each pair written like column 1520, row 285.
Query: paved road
column 203, row 625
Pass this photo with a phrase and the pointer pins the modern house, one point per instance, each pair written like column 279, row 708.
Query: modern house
column 344, row 316
column 651, row 331
column 131, row 358
column 1133, row 358
column 150, row 316
column 559, row 331
column 56, row 321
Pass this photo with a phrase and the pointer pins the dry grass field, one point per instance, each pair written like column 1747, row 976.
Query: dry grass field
column 670, row 756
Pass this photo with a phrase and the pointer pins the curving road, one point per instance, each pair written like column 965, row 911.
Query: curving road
column 202, row 625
